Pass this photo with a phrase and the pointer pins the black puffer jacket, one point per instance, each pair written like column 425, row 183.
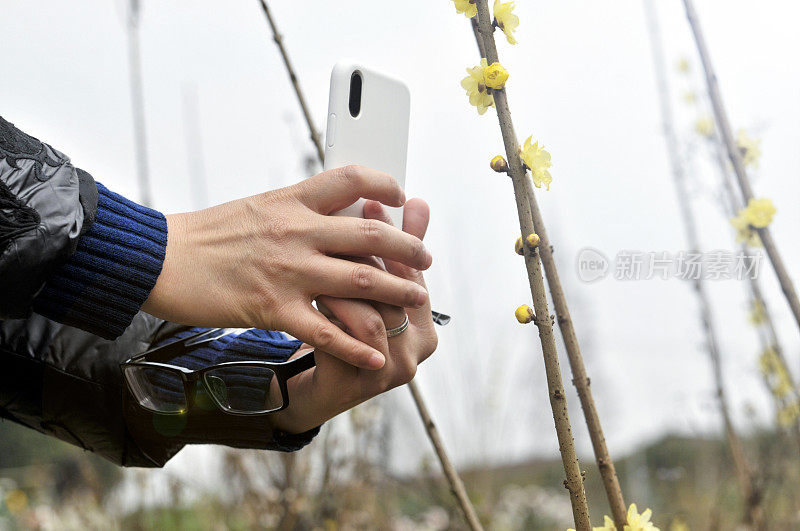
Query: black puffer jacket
column 56, row 270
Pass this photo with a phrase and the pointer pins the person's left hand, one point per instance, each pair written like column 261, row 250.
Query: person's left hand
column 334, row 386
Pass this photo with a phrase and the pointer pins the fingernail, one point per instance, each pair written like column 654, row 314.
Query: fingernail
column 428, row 257
column 422, row 297
column 376, row 361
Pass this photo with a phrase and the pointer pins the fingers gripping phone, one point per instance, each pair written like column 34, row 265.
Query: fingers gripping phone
column 368, row 114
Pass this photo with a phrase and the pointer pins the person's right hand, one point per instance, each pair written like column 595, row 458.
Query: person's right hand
column 260, row 261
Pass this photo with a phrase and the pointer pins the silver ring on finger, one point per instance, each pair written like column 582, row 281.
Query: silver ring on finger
column 392, row 332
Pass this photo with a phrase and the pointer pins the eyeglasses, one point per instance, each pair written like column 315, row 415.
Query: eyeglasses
column 237, row 387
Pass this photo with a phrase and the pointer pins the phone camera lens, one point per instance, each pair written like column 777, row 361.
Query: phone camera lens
column 355, row 94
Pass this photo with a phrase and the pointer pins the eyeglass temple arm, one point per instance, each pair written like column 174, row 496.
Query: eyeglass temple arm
column 298, row 365
column 175, row 348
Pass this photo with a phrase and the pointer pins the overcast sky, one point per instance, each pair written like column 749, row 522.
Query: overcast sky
column 581, row 82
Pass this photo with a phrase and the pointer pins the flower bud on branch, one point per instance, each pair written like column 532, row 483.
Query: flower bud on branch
column 524, row 314
column 499, row 164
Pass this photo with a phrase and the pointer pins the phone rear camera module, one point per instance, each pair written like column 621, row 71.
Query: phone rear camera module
column 355, row 94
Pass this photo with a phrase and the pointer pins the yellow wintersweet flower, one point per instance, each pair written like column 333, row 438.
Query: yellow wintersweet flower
column 759, row 212
column 608, row 525
column 639, row 522
column 683, row 65
column 475, row 85
column 505, row 19
column 524, row 314
column 758, row 314
column 705, row 126
column 768, row 361
column 749, row 147
column 538, row 161
column 468, row 7
column 495, row 76
column 782, row 385
column 744, row 232
column 788, row 414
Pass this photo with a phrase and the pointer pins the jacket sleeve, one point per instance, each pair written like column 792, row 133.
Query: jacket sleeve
column 70, row 249
column 67, row 383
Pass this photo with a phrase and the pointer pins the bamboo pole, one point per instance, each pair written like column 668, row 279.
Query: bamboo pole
column 723, row 124
column 580, row 379
column 543, row 319
column 456, row 485
column 137, row 102
column 751, row 495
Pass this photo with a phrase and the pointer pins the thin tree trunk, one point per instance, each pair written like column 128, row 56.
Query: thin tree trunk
column 754, row 514
column 137, row 103
column 735, row 156
column 456, row 485
column 580, row 380
column 543, row 319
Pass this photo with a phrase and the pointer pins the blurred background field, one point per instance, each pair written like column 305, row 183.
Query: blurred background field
column 52, row 485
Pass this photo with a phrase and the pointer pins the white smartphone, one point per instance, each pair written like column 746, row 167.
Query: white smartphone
column 368, row 114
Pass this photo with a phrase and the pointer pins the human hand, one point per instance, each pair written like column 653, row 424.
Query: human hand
column 332, row 386
column 260, row 261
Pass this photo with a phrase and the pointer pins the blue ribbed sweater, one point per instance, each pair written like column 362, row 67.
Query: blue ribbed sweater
column 112, row 272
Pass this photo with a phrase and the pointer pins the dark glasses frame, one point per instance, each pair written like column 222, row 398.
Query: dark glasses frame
column 156, row 357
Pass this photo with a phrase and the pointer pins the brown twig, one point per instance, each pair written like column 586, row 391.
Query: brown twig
column 735, row 156
column 278, row 38
column 543, row 320
column 751, row 495
column 456, row 485
column 580, row 379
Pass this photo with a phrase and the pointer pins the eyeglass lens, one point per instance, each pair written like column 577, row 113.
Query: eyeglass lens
column 157, row 389
column 244, row 389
